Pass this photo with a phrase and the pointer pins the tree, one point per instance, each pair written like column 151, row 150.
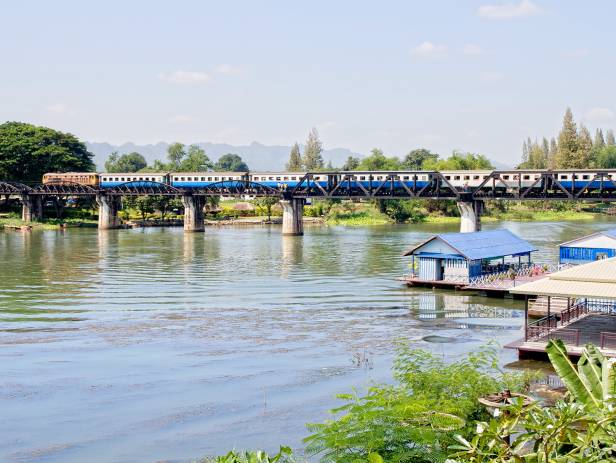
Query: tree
column 352, row 163
column 145, row 206
column 378, row 161
column 131, row 162
column 609, row 138
column 599, row 140
column 313, row 159
column 606, row 158
column 28, row 151
column 568, row 144
column 295, row 159
column 417, row 158
column 460, row 161
column 175, row 154
column 164, row 204
column 265, row 203
column 195, row 160
column 231, row 163
column 553, row 154
column 584, row 153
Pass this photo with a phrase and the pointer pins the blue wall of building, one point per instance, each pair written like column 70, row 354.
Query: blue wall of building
column 569, row 255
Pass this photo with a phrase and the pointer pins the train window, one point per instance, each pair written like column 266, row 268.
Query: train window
column 122, row 179
column 406, row 177
column 286, row 178
column 563, row 177
column 475, row 177
column 506, row 177
column 182, row 179
column 585, row 177
column 203, row 179
column 278, row 178
column 293, row 178
column 575, row 177
column 485, row 177
column 467, row 177
column 526, row 177
column 456, row 177
column 447, row 177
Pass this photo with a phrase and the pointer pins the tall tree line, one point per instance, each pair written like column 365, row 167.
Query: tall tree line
column 311, row 159
column 574, row 148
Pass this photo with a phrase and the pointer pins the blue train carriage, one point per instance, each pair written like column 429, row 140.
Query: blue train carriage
column 587, row 178
column 596, row 246
column 206, row 179
column 283, row 179
column 138, row 179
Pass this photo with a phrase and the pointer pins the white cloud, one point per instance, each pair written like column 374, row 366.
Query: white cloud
column 185, row 77
column 428, row 49
column 180, row 119
column 471, row 49
column 509, row 10
column 227, row 69
column 490, row 76
column 599, row 115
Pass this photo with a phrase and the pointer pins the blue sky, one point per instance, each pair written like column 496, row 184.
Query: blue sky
column 473, row 75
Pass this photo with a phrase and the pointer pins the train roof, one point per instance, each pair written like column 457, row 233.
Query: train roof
column 210, row 173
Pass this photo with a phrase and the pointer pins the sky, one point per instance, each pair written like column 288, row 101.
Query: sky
column 478, row 76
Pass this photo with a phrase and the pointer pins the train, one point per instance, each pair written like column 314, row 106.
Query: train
column 465, row 179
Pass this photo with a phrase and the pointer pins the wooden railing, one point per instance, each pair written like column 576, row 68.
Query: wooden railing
column 540, row 328
column 608, row 340
column 574, row 312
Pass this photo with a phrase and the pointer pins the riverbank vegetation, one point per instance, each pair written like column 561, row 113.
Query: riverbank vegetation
column 469, row 410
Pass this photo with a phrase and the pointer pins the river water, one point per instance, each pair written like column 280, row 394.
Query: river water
column 155, row 345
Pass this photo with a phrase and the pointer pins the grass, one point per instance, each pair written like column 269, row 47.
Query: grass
column 46, row 224
column 357, row 216
column 526, row 215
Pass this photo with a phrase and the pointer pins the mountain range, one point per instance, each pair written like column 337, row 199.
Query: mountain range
column 257, row 156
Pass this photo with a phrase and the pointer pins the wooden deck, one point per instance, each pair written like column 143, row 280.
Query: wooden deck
column 599, row 329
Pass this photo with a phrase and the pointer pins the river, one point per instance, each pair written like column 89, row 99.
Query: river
column 155, row 345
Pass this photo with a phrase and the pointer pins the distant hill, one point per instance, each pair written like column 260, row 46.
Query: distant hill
column 257, row 156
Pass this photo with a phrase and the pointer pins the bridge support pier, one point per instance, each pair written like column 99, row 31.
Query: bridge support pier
column 32, row 208
column 108, row 207
column 292, row 215
column 470, row 215
column 193, row 213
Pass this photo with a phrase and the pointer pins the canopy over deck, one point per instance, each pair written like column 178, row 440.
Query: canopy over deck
column 481, row 245
column 595, row 280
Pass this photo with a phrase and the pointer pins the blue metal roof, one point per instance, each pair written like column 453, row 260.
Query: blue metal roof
column 487, row 244
column 483, row 244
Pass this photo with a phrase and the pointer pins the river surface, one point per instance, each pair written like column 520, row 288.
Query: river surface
column 155, row 345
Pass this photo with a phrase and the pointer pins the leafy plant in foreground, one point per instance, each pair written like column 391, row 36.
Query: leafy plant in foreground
column 284, row 455
column 416, row 419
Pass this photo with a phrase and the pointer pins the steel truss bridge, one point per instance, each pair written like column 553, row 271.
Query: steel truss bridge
column 599, row 186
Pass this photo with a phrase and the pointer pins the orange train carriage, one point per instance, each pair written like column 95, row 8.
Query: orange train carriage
column 81, row 178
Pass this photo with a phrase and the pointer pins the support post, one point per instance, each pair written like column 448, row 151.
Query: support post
column 526, row 317
column 470, row 215
column 292, row 216
column 32, row 208
column 108, row 207
column 193, row 213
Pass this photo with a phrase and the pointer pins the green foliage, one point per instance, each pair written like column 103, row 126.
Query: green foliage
column 145, row 206
column 606, row 157
column 414, row 420
column 312, row 158
column 580, row 429
column 401, row 211
column 265, row 204
column 418, row 158
column 231, row 163
column 295, row 163
column 284, row 455
column 352, row 163
column 131, row 162
column 28, row 151
column 460, row 161
column 378, row 161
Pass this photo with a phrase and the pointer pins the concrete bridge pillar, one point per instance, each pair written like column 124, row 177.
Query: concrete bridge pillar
column 292, row 215
column 193, row 213
column 108, row 207
column 470, row 215
column 32, row 208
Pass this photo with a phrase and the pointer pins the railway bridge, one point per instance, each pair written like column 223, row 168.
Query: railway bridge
column 506, row 185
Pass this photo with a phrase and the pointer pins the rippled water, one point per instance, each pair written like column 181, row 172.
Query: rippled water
column 152, row 345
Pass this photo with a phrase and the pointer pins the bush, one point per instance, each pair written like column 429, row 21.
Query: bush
column 415, row 420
